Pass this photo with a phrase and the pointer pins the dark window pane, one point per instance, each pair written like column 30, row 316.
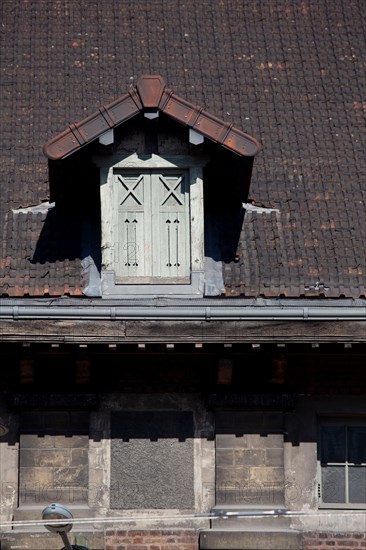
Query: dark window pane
column 357, row 484
column 357, row 444
column 333, row 484
column 333, row 444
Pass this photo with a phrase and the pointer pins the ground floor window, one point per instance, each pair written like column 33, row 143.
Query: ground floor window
column 342, row 463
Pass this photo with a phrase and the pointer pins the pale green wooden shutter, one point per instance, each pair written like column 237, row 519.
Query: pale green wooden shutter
column 170, row 195
column 132, row 253
column 152, row 233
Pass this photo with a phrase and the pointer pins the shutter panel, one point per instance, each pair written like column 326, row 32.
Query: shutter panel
column 132, row 200
column 170, row 192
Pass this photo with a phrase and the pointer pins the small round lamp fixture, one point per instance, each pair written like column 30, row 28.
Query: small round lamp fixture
column 60, row 516
column 57, row 511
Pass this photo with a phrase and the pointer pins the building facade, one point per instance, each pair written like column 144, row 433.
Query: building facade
column 183, row 308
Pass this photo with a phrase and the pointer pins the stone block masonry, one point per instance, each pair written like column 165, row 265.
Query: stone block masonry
column 336, row 541
column 152, row 540
column 53, row 457
column 249, row 458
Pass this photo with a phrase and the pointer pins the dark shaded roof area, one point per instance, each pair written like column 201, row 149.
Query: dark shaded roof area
column 291, row 74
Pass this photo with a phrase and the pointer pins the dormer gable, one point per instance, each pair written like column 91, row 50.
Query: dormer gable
column 150, row 94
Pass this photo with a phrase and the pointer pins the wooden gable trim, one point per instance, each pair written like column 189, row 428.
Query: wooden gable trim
column 150, row 93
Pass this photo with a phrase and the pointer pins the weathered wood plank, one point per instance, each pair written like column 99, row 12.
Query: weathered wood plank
column 182, row 331
column 250, row 331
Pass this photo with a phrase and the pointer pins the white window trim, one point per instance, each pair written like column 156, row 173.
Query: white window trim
column 341, row 421
column 109, row 222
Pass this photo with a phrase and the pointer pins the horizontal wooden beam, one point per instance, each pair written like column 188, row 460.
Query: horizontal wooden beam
column 84, row 331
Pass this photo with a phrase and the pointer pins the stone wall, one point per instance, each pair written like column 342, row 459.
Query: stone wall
column 53, row 466
column 152, row 540
column 249, row 458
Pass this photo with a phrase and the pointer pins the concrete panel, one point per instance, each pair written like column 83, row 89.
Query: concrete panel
column 152, row 460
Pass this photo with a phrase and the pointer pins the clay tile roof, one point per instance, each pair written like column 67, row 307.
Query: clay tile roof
column 290, row 73
column 149, row 93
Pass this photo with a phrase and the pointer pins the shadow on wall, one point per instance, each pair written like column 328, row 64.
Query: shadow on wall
column 152, row 425
column 59, row 238
column 226, row 187
column 66, row 233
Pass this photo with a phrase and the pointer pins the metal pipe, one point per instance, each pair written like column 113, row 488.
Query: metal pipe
column 200, row 313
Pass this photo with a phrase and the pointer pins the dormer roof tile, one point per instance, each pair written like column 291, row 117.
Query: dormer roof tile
column 150, row 93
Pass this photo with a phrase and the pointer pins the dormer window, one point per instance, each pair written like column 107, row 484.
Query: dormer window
column 152, row 225
column 154, row 162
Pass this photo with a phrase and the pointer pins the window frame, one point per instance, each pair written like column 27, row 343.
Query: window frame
column 109, row 222
column 345, row 422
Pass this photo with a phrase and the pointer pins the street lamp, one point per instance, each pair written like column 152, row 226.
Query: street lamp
column 59, row 511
